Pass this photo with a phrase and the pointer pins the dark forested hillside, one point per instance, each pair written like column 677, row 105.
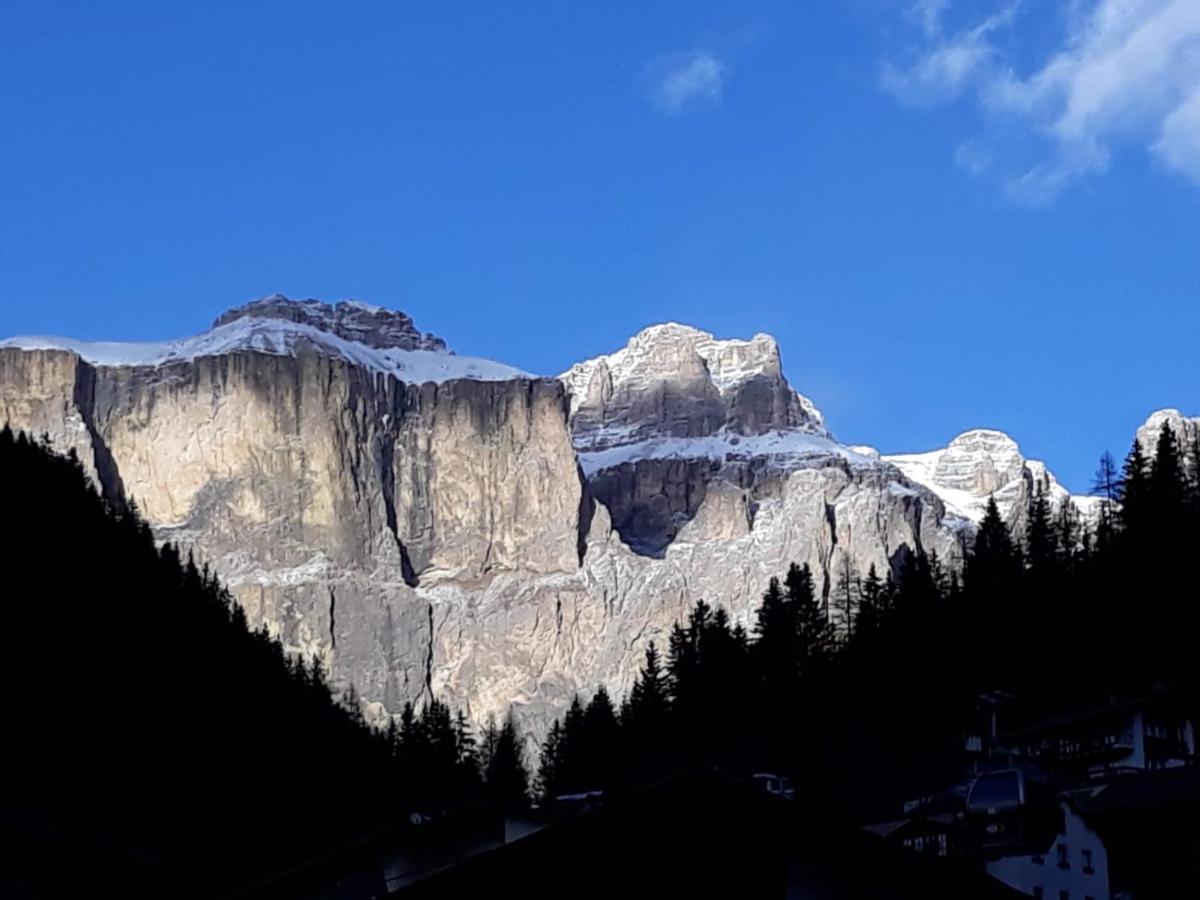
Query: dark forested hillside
column 1062, row 615
column 153, row 744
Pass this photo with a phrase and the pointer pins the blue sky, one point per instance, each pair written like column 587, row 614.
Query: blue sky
column 951, row 214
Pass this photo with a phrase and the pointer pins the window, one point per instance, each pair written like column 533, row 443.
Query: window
column 1087, row 862
column 1062, row 857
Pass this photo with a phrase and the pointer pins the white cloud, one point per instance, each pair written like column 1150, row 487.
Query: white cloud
column 928, row 14
column 684, row 81
column 973, row 157
column 946, row 65
column 1178, row 143
column 1124, row 71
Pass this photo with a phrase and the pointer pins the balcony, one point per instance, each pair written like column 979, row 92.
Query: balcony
column 1099, row 747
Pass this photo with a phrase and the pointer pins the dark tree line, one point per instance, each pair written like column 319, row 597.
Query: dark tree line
column 161, row 739
column 153, row 739
column 864, row 696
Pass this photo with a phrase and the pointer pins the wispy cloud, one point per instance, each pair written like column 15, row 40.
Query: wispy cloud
column 681, row 82
column 928, row 14
column 947, row 64
column 1123, row 71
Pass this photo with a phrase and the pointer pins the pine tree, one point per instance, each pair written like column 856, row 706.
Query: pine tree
column 600, row 741
column 504, row 768
column 1134, row 490
column 684, row 659
column 643, row 721
column 1167, row 486
column 1041, row 547
column 814, row 632
column 647, row 706
column 571, row 769
column 775, row 643
column 993, row 565
column 872, row 612
column 846, row 596
column 1107, row 484
column 549, row 777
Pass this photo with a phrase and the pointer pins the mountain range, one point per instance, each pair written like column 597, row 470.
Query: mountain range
column 429, row 523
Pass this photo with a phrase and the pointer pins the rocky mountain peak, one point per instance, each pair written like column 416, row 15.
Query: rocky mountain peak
column 1186, row 429
column 673, row 380
column 980, row 462
column 727, row 362
column 372, row 326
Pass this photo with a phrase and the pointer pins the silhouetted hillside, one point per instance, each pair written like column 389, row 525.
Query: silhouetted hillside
column 153, row 742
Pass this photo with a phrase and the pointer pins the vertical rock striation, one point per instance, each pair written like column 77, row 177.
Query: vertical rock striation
column 426, row 522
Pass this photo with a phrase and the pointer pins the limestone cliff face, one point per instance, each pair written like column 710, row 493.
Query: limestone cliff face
column 322, row 490
column 429, row 522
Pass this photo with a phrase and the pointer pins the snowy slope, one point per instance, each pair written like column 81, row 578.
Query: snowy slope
column 980, row 464
column 280, row 338
column 783, row 449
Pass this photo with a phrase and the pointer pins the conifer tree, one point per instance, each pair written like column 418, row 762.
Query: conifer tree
column 1107, row 484
column 872, row 612
column 644, row 721
column 1134, row 490
column 549, row 776
column 1041, row 546
column 993, row 564
column 814, row 632
column 600, row 741
column 846, row 596
column 1167, row 486
column 647, row 706
column 571, row 772
column 504, row 768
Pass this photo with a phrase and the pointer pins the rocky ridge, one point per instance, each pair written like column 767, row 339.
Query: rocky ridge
column 980, row 464
column 429, row 522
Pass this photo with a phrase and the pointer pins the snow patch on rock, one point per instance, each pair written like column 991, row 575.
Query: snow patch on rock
column 275, row 336
column 783, row 449
column 980, row 464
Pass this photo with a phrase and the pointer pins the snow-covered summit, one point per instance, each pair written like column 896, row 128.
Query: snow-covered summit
column 979, row 464
column 377, row 339
column 674, row 390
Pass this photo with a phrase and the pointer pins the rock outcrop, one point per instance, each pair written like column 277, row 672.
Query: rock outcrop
column 429, row 522
column 1187, row 430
